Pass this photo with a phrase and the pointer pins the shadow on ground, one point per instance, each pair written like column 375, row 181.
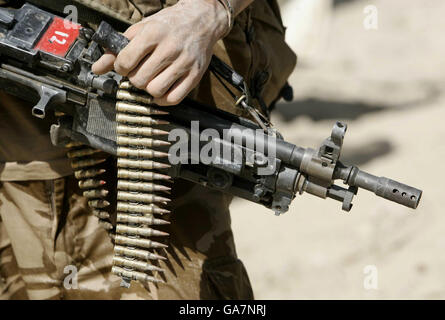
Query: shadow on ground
column 340, row 2
column 366, row 153
column 318, row 110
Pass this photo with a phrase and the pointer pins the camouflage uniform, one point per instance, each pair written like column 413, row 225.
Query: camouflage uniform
column 12, row 285
column 47, row 229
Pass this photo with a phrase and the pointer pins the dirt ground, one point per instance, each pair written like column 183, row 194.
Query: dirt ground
column 388, row 85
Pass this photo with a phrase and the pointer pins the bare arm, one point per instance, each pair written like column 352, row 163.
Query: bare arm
column 170, row 50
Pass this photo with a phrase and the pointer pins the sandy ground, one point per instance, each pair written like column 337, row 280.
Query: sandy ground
column 387, row 84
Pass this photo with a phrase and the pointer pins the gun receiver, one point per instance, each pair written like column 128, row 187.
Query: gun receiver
column 60, row 79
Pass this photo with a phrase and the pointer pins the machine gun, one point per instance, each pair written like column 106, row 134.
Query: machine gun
column 47, row 60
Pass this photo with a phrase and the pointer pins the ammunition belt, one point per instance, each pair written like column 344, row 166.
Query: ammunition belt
column 143, row 187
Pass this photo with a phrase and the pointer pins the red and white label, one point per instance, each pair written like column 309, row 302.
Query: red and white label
column 59, row 37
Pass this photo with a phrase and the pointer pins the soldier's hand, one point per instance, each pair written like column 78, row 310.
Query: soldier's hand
column 170, row 50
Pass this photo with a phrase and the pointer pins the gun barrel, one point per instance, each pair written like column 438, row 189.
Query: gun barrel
column 385, row 188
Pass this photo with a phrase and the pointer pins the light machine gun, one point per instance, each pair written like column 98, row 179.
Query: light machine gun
column 47, row 60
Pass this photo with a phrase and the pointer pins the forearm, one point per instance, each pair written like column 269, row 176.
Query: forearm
column 232, row 8
column 222, row 11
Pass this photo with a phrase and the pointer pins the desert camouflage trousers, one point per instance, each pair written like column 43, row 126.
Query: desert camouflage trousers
column 52, row 247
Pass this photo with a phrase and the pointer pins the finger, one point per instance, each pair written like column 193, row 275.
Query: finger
column 166, row 79
column 133, row 30
column 104, row 64
column 150, row 67
column 129, row 58
column 178, row 91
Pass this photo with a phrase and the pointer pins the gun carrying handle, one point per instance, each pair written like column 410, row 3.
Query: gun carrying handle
column 109, row 38
column 114, row 41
